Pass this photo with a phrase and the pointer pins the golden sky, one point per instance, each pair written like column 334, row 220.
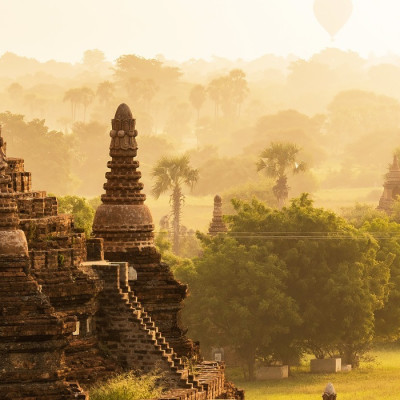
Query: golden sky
column 184, row 29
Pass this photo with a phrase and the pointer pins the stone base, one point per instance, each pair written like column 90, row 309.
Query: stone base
column 269, row 373
column 328, row 365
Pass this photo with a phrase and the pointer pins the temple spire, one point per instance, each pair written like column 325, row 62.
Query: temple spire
column 123, row 220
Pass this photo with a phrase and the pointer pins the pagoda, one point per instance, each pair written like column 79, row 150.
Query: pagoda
column 217, row 224
column 125, row 224
column 391, row 187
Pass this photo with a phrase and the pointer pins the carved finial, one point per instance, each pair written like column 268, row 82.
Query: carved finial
column 123, row 112
column 123, row 130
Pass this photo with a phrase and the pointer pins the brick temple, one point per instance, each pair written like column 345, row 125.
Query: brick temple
column 74, row 311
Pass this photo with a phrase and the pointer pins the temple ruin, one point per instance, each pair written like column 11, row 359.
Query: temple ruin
column 391, row 187
column 74, row 311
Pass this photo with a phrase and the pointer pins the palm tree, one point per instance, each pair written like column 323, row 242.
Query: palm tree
column 86, row 97
column 105, row 92
column 276, row 160
column 239, row 88
column 197, row 97
column 73, row 96
column 171, row 173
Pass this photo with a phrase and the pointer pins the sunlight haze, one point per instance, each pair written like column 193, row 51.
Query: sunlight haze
column 185, row 29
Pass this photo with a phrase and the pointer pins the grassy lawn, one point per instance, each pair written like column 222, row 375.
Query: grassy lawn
column 376, row 380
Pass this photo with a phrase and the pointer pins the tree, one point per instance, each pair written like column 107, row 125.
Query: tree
column 197, row 98
column 215, row 90
column 228, row 92
column 93, row 58
column 131, row 66
column 386, row 232
column 334, row 273
column 72, row 95
column 48, row 153
column 76, row 96
column 91, row 153
column 171, row 173
column 82, row 211
column 238, row 299
column 239, row 88
column 105, row 92
column 15, row 91
column 276, row 160
column 86, row 96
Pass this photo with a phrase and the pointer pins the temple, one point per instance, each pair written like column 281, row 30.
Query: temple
column 75, row 311
column 391, row 187
column 217, row 224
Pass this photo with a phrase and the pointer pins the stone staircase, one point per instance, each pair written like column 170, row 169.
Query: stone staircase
column 134, row 335
column 176, row 364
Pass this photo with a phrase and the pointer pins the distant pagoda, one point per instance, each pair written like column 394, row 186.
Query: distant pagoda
column 217, row 224
column 391, row 187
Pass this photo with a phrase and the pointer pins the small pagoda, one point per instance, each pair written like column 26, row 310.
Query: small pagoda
column 391, row 187
column 217, row 224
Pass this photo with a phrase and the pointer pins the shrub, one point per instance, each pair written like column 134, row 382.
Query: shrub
column 127, row 386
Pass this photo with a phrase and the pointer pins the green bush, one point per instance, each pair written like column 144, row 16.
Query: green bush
column 127, row 386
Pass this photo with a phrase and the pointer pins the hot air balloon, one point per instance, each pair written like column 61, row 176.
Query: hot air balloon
column 333, row 14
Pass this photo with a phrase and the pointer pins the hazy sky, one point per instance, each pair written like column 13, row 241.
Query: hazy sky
column 184, row 29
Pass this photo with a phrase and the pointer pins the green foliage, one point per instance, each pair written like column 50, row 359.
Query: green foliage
column 182, row 267
column 361, row 213
column 238, row 299
column 82, row 211
column 127, row 386
column 335, row 276
column 275, row 160
column 261, row 190
column 228, row 92
column 387, row 233
column 47, row 153
column 91, row 142
column 131, row 66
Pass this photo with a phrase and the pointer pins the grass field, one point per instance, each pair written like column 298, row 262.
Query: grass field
column 374, row 380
